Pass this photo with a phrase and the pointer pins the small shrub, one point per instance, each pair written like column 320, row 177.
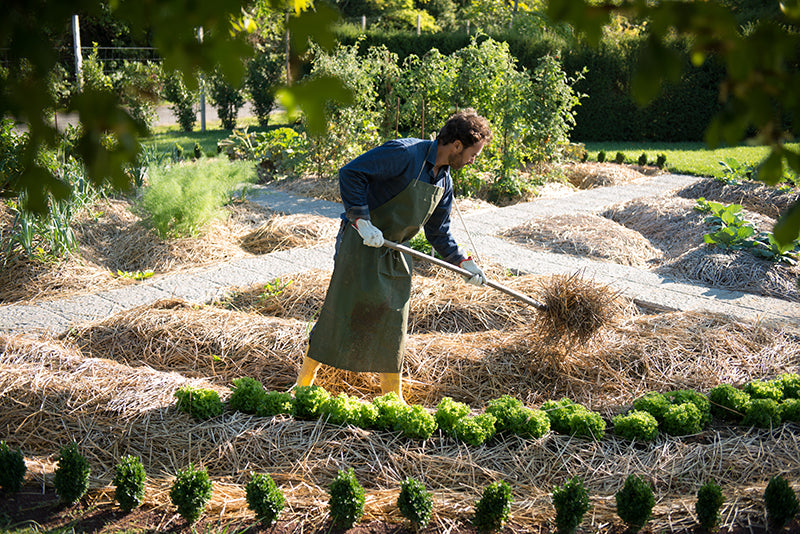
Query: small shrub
column 790, row 410
column 642, row 161
column 416, row 422
column 728, row 403
column 509, row 412
column 308, row 401
column 789, row 384
column 415, row 503
column 198, row 402
column 197, row 150
column 247, row 395
column 494, row 507
column 763, row 413
column 559, row 412
column 264, row 498
column 129, row 478
column 12, row 468
column 587, row 424
column 760, row 389
column 683, row 420
column 536, row 425
column 619, row 158
column 709, row 501
column 448, row 412
column 654, row 403
column 601, row 156
column 72, row 474
column 275, row 403
column 637, row 424
column 190, row 492
column 475, row 430
column 781, row 503
column 635, row 502
column 389, row 407
column 347, row 499
column 571, row 502
column 661, row 160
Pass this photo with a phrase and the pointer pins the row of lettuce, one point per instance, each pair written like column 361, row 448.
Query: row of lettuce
column 758, row 403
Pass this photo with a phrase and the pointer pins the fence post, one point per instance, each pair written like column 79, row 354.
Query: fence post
column 76, row 44
column 363, row 23
column 202, row 88
column 288, row 54
column 419, row 23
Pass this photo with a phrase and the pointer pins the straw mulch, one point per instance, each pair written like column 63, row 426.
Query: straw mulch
column 588, row 236
column 588, row 175
column 56, row 391
column 754, row 196
column 283, row 232
column 321, row 188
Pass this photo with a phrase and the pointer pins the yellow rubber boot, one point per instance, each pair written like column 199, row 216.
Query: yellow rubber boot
column 392, row 382
column 308, row 371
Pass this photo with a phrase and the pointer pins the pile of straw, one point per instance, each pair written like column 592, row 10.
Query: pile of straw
column 57, row 391
column 754, row 196
column 589, row 175
column 283, row 232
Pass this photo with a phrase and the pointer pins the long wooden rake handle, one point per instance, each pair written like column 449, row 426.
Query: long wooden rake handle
column 463, row 272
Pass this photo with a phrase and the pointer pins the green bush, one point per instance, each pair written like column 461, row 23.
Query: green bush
column 346, row 502
column 709, row 501
column 416, row 422
column 190, row 492
column 182, row 199
column 129, row 479
column 728, row 402
column 702, row 403
column 415, row 503
column 510, row 412
column 346, row 410
column 601, row 156
column 790, row 410
column 247, row 395
column 12, row 468
column 559, row 413
column 139, row 86
column 226, row 98
column 761, row 389
column 587, row 424
column 475, row 430
column 789, row 384
column 448, row 412
column 198, row 402
column 264, row 498
column 264, row 73
column 763, row 413
column 781, row 503
column 661, row 160
column 635, row 502
column 683, row 419
column 571, row 502
column 636, row 424
column 536, row 425
column 619, row 158
column 654, row 403
column 275, row 403
column 308, row 401
column 642, row 161
column 494, row 507
column 72, row 474
column 181, row 99
column 390, row 408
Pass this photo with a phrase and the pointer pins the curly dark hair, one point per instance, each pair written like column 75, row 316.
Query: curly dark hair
column 465, row 126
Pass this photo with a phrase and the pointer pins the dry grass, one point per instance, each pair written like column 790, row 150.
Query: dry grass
column 753, row 196
column 588, row 175
column 52, row 392
column 284, row 232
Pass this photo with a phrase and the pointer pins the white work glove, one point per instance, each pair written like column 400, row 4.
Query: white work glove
column 371, row 235
column 477, row 278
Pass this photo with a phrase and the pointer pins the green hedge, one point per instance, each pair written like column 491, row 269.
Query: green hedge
column 681, row 113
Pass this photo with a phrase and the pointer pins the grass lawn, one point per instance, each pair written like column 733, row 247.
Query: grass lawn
column 684, row 158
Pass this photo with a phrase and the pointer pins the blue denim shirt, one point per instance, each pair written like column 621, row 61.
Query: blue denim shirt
column 378, row 175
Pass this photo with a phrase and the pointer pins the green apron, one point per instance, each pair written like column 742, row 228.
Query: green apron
column 362, row 324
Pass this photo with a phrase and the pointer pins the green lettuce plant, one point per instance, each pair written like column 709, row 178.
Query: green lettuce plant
column 200, row 403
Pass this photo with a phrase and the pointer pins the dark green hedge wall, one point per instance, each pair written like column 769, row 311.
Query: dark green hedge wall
column 681, row 112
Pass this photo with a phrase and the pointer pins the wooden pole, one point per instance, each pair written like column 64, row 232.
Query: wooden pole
column 76, row 45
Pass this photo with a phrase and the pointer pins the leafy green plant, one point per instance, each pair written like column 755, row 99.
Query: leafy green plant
column 728, row 402
column 559, row 413
column 789, row 384
column 275, row 403
column 683, row 419
column 729, row 229
column 475, row 430
column 619, row 158
column 264, row 73
column 448, row 412
column 661, row 160
column 12, row 468
column 510, row 413
column 346, row 410
column 536, row 425
column 129, row 479
column 346, row 502
column 587, row 424
column 601, row 156
column 642, row 161
column 734, row 171
column 415, row 503
column 635, row 502
column 264, row 498
column 181, row 99
column 708, row 504
column 200, row 403
column 571, row 502
column 702, row 403
column 763, row 389
column 636, row 425
column 72, row 474
column 790, row 410
column 781, row 503
column 308, row 401
column 494, row 507
column 135, row 275
column 654, row 403
column 273, row 289
column 416, row 422
column 190, row 492
column 763, row 413
column 390, row 408
column 247, row 395
column 227, row 99
column 420, row 243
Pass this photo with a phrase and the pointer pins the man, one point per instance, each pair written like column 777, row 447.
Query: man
column 389, row 192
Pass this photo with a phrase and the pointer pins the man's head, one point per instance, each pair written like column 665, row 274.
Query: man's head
column 464, row 134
